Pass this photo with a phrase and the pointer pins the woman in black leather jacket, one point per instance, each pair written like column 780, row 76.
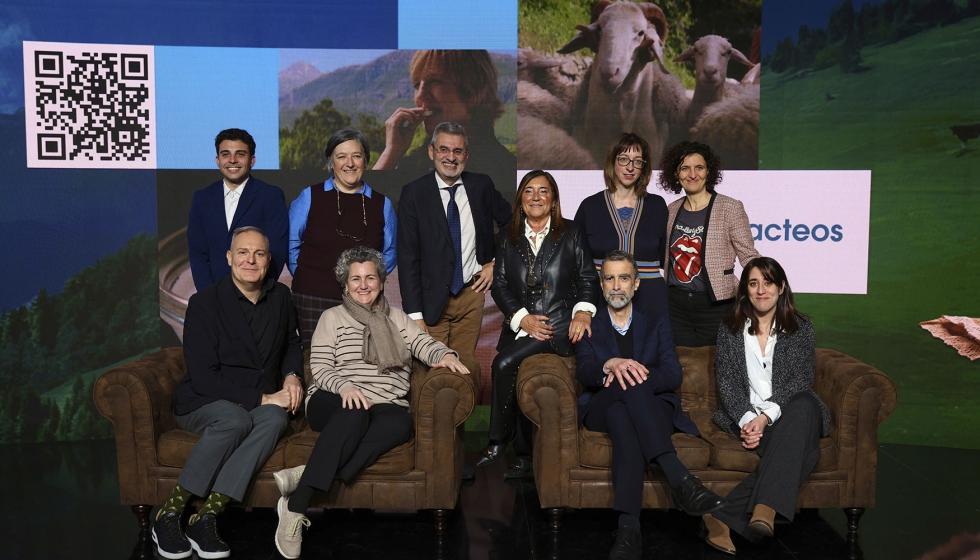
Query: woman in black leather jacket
column 545, row 284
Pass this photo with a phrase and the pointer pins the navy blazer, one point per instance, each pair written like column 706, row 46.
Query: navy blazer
column 653, row 346
column 209, row 238
column 223, row 361
column 425, row 248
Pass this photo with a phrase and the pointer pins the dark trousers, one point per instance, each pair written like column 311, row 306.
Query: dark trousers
column 640, row 425
column 507, row 422
column 350, row 439
column 695, row 318
column 790, row 449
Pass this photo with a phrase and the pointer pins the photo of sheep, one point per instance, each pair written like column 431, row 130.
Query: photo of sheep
column 588, row 71
column 878, row 85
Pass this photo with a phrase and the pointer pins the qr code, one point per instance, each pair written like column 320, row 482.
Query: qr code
column 89, row 106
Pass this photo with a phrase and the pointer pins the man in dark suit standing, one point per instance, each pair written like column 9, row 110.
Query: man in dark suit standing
column 630, row 370
column 238, row 200
column 445, row 243
column 241, row 345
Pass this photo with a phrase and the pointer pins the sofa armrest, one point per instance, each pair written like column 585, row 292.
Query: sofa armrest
column 547, row 393
column 441, row 401
column 859, row 398
column 137, row 397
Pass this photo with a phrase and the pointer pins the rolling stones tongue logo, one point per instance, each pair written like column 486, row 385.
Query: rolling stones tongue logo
column 686, row 252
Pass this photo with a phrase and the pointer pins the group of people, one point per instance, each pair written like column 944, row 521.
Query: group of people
column 567, row 287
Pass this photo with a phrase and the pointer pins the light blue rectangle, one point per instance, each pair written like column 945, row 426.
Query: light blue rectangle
column 204, row 90
column 457, row 24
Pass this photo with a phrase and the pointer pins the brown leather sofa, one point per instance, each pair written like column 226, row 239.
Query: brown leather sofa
column 424, row 473
column 572, row 465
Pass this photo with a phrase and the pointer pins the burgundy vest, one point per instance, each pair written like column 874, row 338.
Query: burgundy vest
column 322, row 245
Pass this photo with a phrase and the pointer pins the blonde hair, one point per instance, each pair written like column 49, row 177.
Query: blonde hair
column 473, row 72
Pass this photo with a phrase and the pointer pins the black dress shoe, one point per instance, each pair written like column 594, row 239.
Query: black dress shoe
column 520, row 469
column 491, row 453
column 628, row 545
column 694, row 499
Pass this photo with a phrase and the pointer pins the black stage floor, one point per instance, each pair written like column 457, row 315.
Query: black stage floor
column 61, row 501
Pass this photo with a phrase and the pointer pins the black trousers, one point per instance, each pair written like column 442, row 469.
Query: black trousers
column 507, row 422
column 640, row 425
column 351, row 439
column 790, row 449
column 695, row 318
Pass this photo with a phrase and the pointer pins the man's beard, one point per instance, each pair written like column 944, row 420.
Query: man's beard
column 618, row 299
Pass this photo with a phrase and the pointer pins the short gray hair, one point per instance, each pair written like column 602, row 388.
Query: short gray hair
column 618, row 256
column 451, row 128
column 247, row 229
column 359, row 255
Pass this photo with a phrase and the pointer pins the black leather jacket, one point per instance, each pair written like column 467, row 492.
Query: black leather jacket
column 568, row 277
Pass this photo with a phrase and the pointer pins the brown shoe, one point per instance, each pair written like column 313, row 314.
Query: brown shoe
column 763, row 520
column 716, row 534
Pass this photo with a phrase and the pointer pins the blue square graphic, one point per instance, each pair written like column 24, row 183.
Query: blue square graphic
column 204, row 90
column 457, row 24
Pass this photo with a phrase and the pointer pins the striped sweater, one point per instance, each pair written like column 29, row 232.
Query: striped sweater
column 336, row 364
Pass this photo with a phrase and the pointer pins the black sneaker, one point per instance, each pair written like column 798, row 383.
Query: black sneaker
column 171, row 542
column 204, row 537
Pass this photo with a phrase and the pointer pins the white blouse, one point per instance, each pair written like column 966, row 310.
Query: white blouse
column 759, row 366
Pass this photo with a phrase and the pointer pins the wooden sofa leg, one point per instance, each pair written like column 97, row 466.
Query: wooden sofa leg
column 554, row 518
column 853, row 522
column 142, row 513
column 440, row 517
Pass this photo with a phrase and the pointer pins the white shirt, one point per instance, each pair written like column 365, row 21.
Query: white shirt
column 467, row 230
column 759, row 368
column 536, row 239
column 231, row 200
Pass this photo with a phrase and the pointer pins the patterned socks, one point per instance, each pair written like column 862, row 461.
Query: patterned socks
column 214, row 504
column 177, row 502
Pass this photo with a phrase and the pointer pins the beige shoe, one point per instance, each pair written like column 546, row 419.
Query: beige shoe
column 289, row 533
column 717, row 534
column 288, row 479
column 763, row 520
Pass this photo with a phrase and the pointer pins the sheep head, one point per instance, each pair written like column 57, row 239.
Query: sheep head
column 711, row 54
column 620, row 34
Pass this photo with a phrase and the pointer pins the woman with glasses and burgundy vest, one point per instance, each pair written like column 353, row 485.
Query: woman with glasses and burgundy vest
column 330, row 217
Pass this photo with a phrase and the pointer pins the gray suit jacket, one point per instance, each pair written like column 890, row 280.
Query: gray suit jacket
column 792, row 372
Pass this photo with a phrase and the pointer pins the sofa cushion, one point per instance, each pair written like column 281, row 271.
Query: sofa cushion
column 596, row 450
column 174, row 447
column 399, row 460
column 727, row 453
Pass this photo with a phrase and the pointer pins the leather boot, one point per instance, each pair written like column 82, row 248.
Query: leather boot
column 716, row 534
column 763, row 520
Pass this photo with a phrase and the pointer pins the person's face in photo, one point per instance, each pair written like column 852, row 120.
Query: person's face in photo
column 438, row 96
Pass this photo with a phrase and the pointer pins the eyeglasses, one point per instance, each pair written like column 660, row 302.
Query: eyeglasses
column 624, row 161
column 341, row 213
column 444, row 151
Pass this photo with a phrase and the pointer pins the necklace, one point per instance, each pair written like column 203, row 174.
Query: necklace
column 341, row 213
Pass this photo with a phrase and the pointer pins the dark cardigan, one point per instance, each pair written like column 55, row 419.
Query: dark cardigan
column 792, row 372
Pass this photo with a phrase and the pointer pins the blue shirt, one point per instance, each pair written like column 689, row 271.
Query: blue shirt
column 299, row 211
column 622, row 331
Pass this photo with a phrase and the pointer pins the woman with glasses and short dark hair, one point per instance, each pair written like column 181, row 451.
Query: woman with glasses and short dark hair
column 705, row 232
column 625, row 217
column 328, row 218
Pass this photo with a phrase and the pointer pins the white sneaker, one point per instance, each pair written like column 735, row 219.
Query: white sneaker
column 288, row 479
column 289, row 533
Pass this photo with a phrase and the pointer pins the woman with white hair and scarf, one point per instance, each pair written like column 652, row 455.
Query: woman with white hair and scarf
column 361, row 361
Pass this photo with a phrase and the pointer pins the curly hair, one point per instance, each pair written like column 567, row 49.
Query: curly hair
column 359, row 255
column 622, row 144
column 671, row 162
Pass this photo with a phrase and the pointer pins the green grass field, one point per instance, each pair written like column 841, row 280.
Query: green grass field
column 925, row 231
